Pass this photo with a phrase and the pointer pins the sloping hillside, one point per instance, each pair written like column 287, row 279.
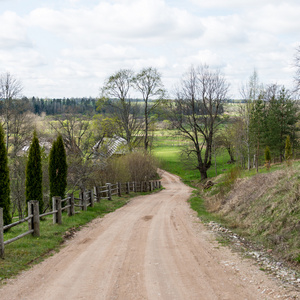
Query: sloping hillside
column 265, row 208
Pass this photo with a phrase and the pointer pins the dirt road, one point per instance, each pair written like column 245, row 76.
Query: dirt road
column 152, row 248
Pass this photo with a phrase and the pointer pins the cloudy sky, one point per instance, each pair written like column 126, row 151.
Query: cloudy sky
column 66, row 48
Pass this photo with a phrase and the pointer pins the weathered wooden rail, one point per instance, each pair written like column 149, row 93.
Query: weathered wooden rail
column 86, row 199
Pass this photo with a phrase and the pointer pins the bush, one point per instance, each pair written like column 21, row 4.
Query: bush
column 135, row 166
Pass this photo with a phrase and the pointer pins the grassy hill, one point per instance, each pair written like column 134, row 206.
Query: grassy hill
column 264, row 208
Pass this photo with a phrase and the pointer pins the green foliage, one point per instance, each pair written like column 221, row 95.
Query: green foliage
column 273, row 117
column 267, row 157
column 281, row 121
column 52, row 170
column 34, row 175
column 4, row 180
column 267, row 154
column 288, row 148
column 58, row 169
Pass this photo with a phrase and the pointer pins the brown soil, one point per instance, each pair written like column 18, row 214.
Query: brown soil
column 152, row 248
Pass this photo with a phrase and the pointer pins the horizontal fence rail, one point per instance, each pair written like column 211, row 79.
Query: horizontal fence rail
column 86, row 199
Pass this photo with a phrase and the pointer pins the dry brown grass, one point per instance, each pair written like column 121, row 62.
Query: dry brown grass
column 265, row 207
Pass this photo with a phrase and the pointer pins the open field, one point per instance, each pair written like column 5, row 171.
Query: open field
column 168, row 151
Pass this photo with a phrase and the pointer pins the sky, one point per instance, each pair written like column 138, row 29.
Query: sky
column 67, row 48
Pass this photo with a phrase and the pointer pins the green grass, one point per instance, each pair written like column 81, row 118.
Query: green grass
column 171, row 161
column 29, row 250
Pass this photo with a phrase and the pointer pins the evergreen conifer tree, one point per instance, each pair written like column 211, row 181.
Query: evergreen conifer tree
column 58, row 169
column 34, row 175
column 4, row 180
column 52, row 170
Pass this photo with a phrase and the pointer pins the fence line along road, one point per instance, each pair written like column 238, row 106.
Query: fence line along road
column 87, row 198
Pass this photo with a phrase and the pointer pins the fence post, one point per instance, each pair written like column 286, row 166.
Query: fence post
column 54, row 209
column 119, row 189
column 36, row 217
column 92, row 198
column 84, row 201
column 134, row 186
column 58, row 206
column 159, row 184
column 97, row 193
column 127, row 184
column 1, row 234
column 30, row 212
column 150, row 186
column 57, row 218
column 108, row 191
column 71, row 209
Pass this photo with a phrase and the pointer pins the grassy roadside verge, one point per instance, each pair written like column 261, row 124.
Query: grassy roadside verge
column 263, row 208
column 25, row 252
column 170, row 160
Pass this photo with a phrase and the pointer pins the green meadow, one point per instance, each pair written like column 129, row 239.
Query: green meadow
column 168, row 150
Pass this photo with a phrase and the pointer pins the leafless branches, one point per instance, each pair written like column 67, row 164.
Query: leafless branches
column 196, row 110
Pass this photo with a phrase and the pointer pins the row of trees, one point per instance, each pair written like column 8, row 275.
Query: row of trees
column 34, row 175
column 59, row 106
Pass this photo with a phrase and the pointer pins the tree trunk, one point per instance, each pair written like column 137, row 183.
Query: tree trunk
column 203, row 174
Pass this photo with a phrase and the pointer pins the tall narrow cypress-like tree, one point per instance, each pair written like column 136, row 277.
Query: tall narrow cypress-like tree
column 4, row 180
column 58, row 168
column 52, row 170
column 34, row 175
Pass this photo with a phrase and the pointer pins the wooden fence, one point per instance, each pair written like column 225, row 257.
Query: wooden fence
column 86, row 199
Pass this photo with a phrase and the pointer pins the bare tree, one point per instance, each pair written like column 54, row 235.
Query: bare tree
column 75, row 132
column 116, row 91
column 250, row 92
column 148, row 83
column 21, row 125
column 79, row 141
column 195, row 112
column 10, row 89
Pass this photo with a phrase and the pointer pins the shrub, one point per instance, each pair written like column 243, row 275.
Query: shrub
column 267, row 157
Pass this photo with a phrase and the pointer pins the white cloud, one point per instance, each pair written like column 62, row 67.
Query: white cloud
column 12, row 31
column 137, row 20
column 69, row 46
